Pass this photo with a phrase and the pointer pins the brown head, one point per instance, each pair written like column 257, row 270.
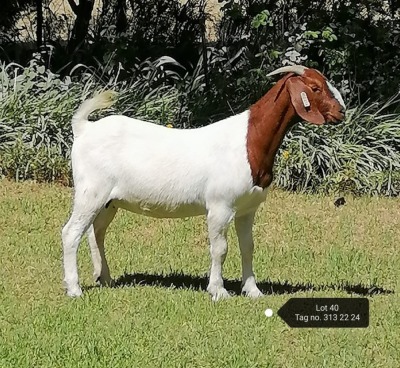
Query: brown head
column 313, row 97
column 302, row 93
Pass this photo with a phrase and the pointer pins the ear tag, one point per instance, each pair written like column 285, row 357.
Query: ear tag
column 305, row 100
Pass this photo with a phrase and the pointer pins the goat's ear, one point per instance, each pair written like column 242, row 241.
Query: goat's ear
column 303, row 102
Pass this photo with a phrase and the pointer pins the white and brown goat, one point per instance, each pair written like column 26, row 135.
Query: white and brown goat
column 221, row 171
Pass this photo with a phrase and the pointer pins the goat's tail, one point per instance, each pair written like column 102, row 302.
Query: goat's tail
column 101, row 101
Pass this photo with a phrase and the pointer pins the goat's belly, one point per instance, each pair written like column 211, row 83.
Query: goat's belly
column 159, row 210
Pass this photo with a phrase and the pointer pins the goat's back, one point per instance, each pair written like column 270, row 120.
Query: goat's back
column 133, row 160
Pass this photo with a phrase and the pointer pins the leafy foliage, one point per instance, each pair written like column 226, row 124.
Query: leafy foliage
column 353, row 43
column 362, row 155
column 155, row 55
column 10, row 11
column 37, row 106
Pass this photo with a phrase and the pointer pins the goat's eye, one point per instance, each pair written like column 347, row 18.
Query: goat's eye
column 315, row 89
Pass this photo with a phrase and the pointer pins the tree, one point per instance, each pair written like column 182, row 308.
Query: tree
column 39, row 23
column 83, row 12
column 10, row 11
column 121, row 21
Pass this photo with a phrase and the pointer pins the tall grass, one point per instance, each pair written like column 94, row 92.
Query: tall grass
column 35, row 134
column 362, row 155
column 37, row 106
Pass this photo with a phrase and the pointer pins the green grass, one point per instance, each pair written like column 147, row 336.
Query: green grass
column 300, row 239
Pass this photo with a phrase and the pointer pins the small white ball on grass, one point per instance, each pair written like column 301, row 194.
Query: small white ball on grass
column 268, row 312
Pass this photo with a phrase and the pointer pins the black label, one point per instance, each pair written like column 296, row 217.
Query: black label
column 326, row 312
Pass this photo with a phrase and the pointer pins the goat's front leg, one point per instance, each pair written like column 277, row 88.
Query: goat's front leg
column 218, row 219
column 244, row 230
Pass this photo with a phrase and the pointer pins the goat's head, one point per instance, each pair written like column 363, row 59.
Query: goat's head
column 314, row 99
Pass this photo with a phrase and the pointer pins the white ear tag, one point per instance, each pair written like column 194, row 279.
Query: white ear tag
column 305, row 100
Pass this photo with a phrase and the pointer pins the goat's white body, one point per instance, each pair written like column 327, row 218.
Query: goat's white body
column 162, row 172
column 119, row 162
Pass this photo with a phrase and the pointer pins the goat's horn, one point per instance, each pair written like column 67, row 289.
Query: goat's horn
column 297, row 69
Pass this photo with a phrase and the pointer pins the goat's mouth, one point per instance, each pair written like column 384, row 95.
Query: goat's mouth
column 334, row 119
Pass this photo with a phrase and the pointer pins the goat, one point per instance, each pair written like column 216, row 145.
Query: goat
column 221, row 170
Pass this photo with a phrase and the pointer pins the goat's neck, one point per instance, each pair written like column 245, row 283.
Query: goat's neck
column 270, row 118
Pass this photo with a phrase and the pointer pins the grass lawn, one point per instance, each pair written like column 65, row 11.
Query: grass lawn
column 160, row 316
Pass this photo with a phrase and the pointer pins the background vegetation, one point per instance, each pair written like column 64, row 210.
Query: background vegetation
column 176, row 63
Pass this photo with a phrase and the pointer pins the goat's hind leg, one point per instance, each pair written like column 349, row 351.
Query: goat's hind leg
column 96, row 235
column 84, row 212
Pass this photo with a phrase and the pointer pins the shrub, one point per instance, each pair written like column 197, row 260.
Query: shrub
column 37, row 106
column 362, row 155
column 22, row 161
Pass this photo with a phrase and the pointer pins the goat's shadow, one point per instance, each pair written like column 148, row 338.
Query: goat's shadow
column 183, row 281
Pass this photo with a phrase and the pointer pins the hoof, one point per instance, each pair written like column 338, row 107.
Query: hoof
column 218, row 293
column 253, row 293
column 74, row 292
